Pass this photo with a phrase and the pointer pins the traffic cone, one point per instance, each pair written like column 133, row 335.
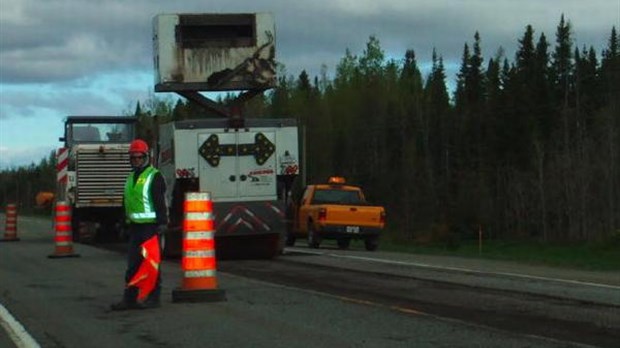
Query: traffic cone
column 10, row 229
column 63, row 238
column 198, row 262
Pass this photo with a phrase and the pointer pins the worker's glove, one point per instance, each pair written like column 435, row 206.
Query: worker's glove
column 161, row 229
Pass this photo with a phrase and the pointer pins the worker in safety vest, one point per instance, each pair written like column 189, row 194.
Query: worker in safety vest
column 146, row 215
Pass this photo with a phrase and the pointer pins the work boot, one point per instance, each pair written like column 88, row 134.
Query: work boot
column 125, row 305
column 148, row 304
column 151, row 302
column 128, row 302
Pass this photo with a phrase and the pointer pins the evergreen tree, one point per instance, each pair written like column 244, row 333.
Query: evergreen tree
column 542, row 92
column 138, row 111
column 609, row 131
column 562, row 64
column 438, row 110
column 460, row 97
column 180, row 111
column 610, row 68
column 280, row 98
column 562, row 72
column 524, row 99
column 495, row 104
column 411, row 129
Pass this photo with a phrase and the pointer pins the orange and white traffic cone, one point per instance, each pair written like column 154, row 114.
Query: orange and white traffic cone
column 63, row 238
column 10, row 230
column 198, row 261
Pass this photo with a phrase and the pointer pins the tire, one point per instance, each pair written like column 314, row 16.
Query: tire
column 314, row 240
column 344, row 243
column 371, row 243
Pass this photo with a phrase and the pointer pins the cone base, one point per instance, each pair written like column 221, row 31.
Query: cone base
column 208, row 295
column 58, row 256
column 9, row 240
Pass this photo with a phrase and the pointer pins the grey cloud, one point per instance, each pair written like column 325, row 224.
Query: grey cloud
column 82, row 97
column 60, row 40
column 68, row 39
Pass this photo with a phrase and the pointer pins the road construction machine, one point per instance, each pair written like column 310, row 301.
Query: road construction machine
column 247, row 164
column 248, row 172
column 93, row 165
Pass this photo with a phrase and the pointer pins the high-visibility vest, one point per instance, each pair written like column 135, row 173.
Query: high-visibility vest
column 139, row 207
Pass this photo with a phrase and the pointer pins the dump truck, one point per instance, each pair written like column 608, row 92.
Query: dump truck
column 93, row 166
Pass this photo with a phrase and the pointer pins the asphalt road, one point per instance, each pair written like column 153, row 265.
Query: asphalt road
column 583, row 312
column 64, row 302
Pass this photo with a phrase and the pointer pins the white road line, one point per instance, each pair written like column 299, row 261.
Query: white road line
column 16, row 331
column 425, row 265
column 526, row 276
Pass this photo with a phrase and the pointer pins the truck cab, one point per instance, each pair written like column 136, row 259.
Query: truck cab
column 98, row 130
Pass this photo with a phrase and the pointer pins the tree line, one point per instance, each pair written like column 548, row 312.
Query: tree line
column 21, row 185
column 524, row 147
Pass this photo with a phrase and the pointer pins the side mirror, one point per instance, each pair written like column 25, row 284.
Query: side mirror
column 61, row 139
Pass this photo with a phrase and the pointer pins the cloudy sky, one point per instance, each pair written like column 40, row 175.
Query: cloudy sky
column 93, row 57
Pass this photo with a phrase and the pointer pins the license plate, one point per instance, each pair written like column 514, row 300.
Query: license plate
column 352, row 229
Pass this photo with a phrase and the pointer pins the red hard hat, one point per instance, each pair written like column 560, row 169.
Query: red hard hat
column 138, row 145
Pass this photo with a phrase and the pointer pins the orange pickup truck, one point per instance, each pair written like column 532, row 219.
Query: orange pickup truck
column 335, row 211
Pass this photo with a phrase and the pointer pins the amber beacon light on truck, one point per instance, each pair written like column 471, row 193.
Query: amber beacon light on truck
column 338, row 180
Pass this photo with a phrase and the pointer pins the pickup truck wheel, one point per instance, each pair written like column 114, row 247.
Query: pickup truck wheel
column 313, row 238
column 371, row 243
column 344, row 243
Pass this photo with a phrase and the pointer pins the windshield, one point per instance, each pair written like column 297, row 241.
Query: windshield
column 329, row 196
column 100, row 133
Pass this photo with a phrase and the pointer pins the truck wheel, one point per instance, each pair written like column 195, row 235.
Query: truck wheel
column 371, row 243
column 314, row 240
column 344, row 243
